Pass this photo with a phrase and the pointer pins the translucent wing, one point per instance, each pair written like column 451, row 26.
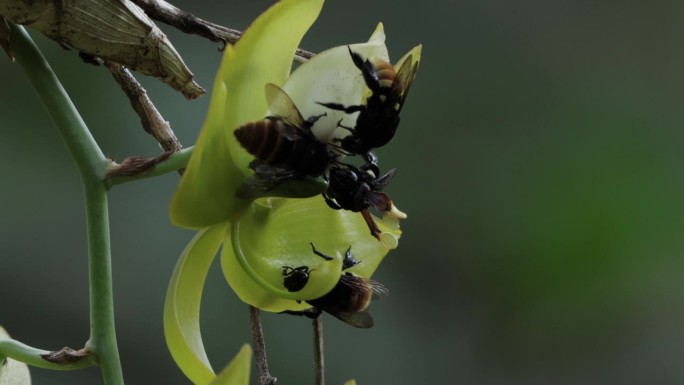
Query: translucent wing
column 279, row 182
column 365, row 289
column 265, row 179
column 406, row 75
column 361, row 320
column 282, row 107
column 382, row 182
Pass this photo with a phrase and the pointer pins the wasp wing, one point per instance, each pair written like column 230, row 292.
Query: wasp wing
column 282, row 107
column 270, row 181
column 361, row 320
column 363, row 291
column 406, row 75
column 380, row 183
column 265, row 179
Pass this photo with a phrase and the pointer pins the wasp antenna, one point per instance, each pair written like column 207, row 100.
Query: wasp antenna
column 326, row 257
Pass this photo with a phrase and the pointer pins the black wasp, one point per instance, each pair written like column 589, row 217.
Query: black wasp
column 283, row 144
column 379, row 118
column 347, row 301
column 351, row 188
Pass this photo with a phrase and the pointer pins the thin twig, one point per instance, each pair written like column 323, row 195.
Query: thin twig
column 167, row 13
column 318, row 350
column 66, row 356
column 152, row 121
column 265, row 377
column 135, row 168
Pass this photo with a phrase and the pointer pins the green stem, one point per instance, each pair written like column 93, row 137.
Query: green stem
column 92, row 165
column 32, row 356
column 102, row 333
column 90, row 160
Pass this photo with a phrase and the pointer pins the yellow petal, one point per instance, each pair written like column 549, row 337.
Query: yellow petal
column 263, row 55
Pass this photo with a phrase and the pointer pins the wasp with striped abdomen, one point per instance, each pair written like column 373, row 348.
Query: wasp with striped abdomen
column 283, row 144
column 378, row 118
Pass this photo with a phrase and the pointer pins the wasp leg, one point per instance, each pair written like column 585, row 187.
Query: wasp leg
column 367, row 70
column 326, row 257
column 371, row 163
column 350, row 129
column 341, row 107
column 338, row 148
column 312, row 313
column 313, row 119
column 331, row 203
column 372, row 226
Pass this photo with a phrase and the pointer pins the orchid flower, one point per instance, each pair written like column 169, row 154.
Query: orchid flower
column 257, row 238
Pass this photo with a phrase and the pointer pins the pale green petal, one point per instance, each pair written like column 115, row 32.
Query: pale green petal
column 218, row 164
column 13, row 372
column 205, row 194
column 182, row 307
column 274, row 39
column 331, row 76
column 350, row 382
column 237, row 371
column 278, row 234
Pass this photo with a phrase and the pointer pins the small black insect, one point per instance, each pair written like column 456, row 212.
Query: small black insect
column 379, row 117
column 353, row 189
column 297, row 277
column 283, row 144
column 349, row 299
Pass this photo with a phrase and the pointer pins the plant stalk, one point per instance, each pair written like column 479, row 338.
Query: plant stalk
column 102, row 329
column 91, row 164
column 265, row 377
column 319, row 361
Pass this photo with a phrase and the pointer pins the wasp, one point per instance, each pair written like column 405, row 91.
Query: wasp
column 351, row 188
column 283, row 144
column 349, row 299
column 378, row 118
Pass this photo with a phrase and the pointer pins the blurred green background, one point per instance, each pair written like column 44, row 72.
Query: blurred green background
column 540, row 162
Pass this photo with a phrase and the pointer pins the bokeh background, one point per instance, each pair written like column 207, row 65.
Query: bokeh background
column 540, row 162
